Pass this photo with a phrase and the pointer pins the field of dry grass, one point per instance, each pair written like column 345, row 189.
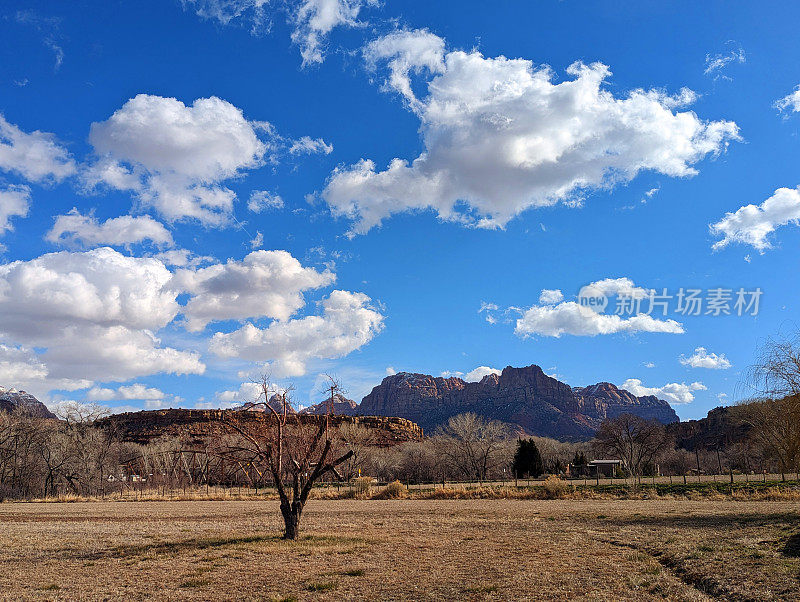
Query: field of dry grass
column 403, row 549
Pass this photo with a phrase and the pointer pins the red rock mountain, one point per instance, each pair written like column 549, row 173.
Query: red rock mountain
column 12, row 400
column 523, row 397
column 719, row 430
column 275, row 402
column 341, row 405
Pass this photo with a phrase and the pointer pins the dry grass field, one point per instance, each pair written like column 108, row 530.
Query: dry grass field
column 402, row 549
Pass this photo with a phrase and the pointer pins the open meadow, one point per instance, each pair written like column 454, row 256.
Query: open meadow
column 403, row 549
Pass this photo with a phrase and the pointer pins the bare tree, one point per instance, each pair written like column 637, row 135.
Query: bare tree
column 382, row 462
column 77, row 414
column 677, row 462
column 773, row 411
column 631, row 439
column 419, row 462
column 472, row 444
column 359, row 440
column 557, row 454
column 775, row 429
column 296, row 450
column 776, row 372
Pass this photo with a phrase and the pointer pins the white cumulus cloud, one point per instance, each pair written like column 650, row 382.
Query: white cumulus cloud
column 312, row 20
column 310, row 146
column 264, row 284
column 479, row 372
column 183, row 258
column 752, row 224
column 71, row 319
column 15, row 201
column 176, row 157
column 571, row 318
column 550, row 296
column 77, row 229
column 348, row 322
column 36, row 156
column 789, row 103
column 263, row 200
column 247, row 392
column 556, row 318
column 701, row 358
column 674, row 393
column 135, row 391
column 609, row 287
column 94, row 315
column 19, row 365
column 501, row 137
column 315, row 19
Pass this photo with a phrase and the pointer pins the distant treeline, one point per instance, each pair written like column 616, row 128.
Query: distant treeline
column 47, row 458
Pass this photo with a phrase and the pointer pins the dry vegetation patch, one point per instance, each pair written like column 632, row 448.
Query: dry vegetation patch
column 481, row 549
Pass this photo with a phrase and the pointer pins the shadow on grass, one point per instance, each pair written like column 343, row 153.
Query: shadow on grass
column 701, row 521
column 792, row 547
column 172, row 548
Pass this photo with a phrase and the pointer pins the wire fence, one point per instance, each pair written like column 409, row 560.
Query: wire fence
column 589, row 481
column 148, row 491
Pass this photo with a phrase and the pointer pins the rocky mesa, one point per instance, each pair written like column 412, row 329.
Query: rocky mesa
column 525, row 398
column 195, row 427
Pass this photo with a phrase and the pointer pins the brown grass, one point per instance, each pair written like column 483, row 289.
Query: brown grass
column 478, row 549
column 551, row 488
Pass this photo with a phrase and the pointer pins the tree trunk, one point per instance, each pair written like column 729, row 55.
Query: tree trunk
column 291, row 520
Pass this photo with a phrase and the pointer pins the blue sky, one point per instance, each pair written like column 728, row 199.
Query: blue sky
column 525, row 180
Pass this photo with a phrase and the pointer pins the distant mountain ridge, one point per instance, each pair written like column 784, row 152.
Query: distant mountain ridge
column 341, row 405
column 523, row 397
column 11, row 400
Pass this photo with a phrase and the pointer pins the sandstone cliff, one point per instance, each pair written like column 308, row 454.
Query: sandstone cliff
column 525, row 398
column 608, row 401
column 720, row 429
column 195, row 426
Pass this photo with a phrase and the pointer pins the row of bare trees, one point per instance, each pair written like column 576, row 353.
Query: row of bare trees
column 40, row 457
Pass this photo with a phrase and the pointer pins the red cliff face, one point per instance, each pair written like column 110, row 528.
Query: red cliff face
column 194, row 427
column 406, row 393
column 608, row 401
column 719, row 430
column 524, row 397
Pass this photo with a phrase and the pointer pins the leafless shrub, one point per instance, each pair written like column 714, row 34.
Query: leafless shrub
column 555, row 488
column 393, row 491
column 362, row 486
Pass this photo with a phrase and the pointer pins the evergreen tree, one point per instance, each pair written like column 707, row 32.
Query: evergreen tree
column 580, row 460
column 527, row 459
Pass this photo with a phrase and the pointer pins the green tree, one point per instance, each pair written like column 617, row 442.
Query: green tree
column 580, row 459
column 527, row 459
